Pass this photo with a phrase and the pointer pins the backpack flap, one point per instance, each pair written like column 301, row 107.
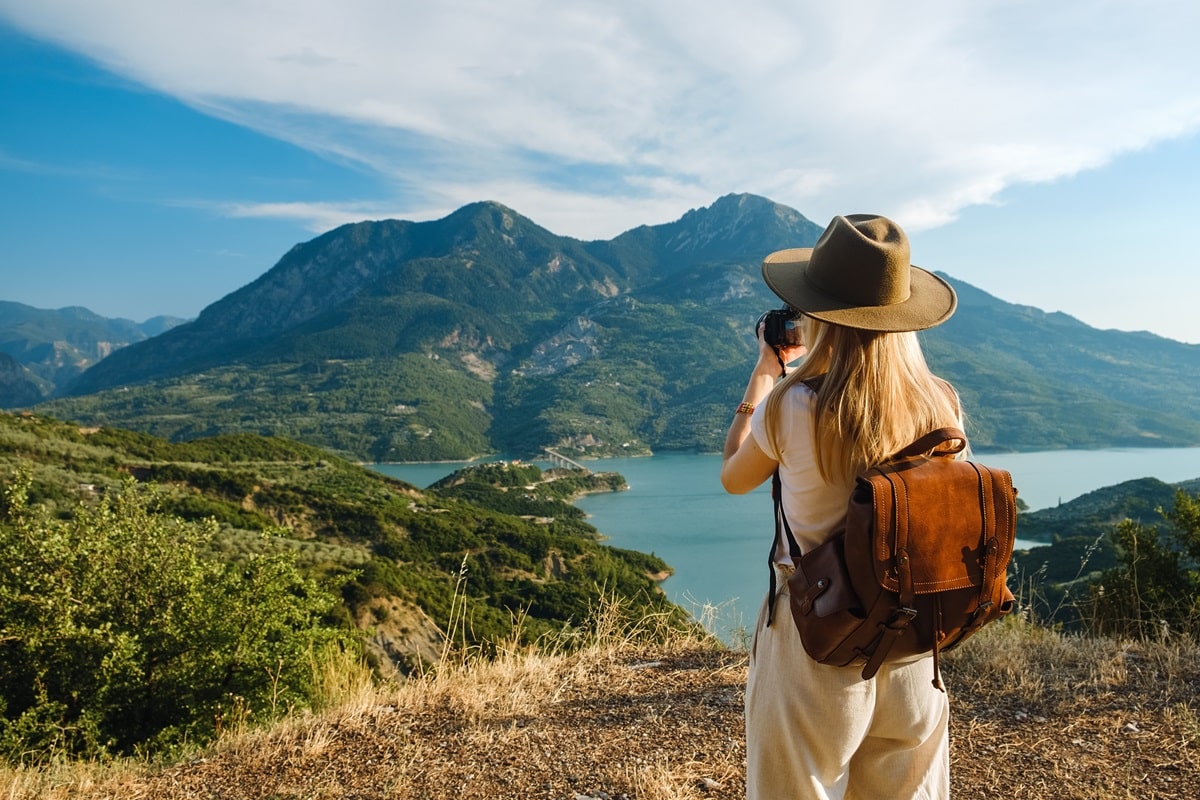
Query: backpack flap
column 949, row 514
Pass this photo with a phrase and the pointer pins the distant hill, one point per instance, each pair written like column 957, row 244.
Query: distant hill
column 1097, row 511
column 18, row 386
column 53, row 347
column 1037, row 380
column 1053, row 577
column 483, row 332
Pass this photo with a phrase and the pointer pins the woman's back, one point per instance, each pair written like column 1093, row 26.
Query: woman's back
column 815, row 730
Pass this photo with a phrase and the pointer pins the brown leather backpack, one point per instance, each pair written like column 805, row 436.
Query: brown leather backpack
column 920, row 565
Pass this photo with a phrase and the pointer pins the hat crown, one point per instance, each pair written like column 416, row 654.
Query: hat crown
column 859, row 275
column 863, row 260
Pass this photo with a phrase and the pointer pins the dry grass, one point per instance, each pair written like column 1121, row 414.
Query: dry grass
column 641, row 710
column 1042, row 714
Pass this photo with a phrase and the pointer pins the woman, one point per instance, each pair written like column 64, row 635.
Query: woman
column 816, row 731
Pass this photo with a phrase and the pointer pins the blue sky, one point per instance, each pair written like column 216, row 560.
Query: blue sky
column 157, row 156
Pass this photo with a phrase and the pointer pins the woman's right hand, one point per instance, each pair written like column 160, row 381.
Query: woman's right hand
column 772, row 359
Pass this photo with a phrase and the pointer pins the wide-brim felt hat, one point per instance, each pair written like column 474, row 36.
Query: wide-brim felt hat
column 859, row 275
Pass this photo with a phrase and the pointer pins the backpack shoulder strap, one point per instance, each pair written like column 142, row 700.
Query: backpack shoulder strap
column 782, row 530
column 931, row 440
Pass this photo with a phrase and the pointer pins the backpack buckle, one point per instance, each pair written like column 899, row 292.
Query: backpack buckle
column 901, row 617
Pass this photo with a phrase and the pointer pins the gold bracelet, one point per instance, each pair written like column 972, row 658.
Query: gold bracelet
column 745, row 408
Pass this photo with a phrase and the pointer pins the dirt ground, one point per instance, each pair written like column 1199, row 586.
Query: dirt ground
column 1033, row 716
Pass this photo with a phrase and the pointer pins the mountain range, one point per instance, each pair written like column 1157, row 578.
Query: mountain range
column 483, row 332
column 42, row 350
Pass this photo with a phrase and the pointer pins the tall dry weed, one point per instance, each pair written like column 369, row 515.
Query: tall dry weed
column 511, row 678
column 342, row 679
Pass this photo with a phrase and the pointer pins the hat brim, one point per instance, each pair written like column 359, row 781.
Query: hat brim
column 931, row 300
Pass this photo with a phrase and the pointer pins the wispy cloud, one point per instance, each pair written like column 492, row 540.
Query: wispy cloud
column 92, row 172
column 317, row 217
column 593, row 116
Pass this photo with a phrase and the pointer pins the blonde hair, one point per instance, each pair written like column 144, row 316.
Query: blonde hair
column 876, row 396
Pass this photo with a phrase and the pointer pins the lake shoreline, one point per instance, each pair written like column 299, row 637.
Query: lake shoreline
column 717, row 543
column 485, row 459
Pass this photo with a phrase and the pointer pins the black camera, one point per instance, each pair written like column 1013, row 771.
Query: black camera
column 781, row 327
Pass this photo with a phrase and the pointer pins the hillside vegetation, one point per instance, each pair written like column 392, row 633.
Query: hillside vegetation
column 395, row 572
column 1135, row 528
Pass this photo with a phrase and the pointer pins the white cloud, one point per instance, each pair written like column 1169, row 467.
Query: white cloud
column 594, row 116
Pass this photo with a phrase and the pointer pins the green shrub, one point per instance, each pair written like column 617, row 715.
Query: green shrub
column 1155, row 589
column 119, row 633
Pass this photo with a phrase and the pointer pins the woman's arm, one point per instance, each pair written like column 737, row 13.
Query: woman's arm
column 744, row 465
column 748, row 467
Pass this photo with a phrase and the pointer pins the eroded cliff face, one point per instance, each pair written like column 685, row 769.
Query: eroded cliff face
column 400, row 637
column 48, row 365
column 575, row 343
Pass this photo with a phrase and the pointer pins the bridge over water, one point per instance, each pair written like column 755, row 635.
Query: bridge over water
column 559, row 460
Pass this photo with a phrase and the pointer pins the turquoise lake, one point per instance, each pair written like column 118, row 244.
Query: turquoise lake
column 718, row 543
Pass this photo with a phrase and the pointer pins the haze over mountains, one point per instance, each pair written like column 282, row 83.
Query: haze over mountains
column 41, row 350
column 483, row 332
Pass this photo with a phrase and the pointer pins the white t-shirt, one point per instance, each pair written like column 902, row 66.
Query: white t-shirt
column 813, row 508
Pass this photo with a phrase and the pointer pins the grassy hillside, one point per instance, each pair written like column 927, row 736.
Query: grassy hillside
column 504, row 537
column 410, row 408
column 550, row 664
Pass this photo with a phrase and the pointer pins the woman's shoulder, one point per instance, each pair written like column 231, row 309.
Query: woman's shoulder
column 801, row 396
column 813, row 383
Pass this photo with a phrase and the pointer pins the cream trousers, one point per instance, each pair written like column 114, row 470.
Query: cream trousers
column 824, row 733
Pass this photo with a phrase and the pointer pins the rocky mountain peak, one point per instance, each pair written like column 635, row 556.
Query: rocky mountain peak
column 735, row 227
